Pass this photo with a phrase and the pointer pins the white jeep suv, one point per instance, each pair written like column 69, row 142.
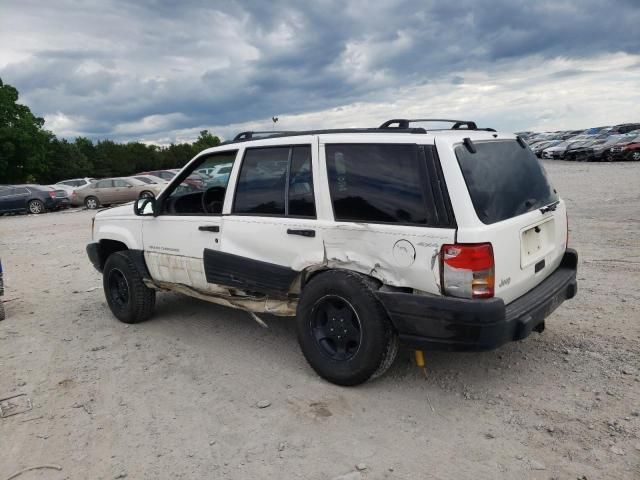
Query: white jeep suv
column 440, row 239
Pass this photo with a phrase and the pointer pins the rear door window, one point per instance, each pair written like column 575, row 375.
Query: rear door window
column 378, row 183
column 504, row 180
column 104, row 184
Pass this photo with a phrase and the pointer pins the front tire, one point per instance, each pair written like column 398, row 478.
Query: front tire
column 343, row 330
column 129, row 299
column 36, row 207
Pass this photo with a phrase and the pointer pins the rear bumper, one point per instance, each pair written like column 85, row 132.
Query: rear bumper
column 434, row 322
column 62, row 202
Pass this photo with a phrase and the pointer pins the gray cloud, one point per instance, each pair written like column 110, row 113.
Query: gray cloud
column 155, row 69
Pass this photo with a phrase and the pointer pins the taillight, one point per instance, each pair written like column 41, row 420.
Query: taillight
column 52, row 193
column 468, row 270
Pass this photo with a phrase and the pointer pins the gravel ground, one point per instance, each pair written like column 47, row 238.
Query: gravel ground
column 179, row 396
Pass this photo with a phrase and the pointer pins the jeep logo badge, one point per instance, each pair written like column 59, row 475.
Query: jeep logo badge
column 504, row 282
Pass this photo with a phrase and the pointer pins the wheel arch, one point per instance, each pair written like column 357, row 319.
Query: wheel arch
column 311, row 272
column 107, row 247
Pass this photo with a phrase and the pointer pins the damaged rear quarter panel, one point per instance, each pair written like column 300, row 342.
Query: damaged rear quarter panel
column 400, row 256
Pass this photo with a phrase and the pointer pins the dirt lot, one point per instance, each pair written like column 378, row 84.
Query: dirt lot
column 176, row 397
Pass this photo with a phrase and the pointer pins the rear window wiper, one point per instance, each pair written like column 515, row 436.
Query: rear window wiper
column 550, row 208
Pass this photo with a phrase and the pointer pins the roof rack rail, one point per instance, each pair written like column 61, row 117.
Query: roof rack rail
column 250, row 134
column 404, row 123
column 386, row 127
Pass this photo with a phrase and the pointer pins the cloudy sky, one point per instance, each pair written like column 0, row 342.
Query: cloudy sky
column 162, row 70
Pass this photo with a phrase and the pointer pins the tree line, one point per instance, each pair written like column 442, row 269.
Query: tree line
column 31, row 154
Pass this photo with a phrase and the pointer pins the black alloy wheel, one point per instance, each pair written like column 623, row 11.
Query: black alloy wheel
column 336, row 327
column 129, row 299
column 118, row 288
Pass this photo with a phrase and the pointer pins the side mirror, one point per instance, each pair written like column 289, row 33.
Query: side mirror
column 145, row 206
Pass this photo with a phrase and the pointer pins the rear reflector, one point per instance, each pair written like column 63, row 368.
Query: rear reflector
column 52, row 193
column 467, row 270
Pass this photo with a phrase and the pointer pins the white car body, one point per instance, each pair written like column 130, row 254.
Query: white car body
column 451, row 239
column 173, row 245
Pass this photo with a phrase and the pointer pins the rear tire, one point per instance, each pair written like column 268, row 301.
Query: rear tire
column 147, row 194
column 91, row 203
column 36, row 207
column 343, row 330
column 129, row 299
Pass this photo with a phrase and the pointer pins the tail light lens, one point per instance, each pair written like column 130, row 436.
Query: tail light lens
column 52, row 193
column 468, row 270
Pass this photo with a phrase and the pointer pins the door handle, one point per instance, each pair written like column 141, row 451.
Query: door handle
column 209, row 228
column 302, row 233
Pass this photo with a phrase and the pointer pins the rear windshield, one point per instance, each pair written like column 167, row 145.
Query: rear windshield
column 504, row 180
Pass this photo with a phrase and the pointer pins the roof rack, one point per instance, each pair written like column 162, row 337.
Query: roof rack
column 403, row 126
column 248, row 135
column 404, row 123
column 251, row 135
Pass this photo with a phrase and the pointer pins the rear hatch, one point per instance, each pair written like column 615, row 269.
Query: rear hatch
column 516, row 209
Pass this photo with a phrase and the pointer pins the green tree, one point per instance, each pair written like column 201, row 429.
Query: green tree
column 176, row 155
column 65, row 160
column 205, row 140
column 23, row 140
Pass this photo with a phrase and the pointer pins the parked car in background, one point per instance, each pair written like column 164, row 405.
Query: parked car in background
column 150, row 179
column 31, row 198
column 624, row 150
column 538, row 147
column 73, row 183
column 556, row 152
column 580, row 150
column 604, row 152
column 164, row 174
column 570, row 134
column 213, row 171
column 109, row 191
column 633, row 151
column 624, row 128
column 193, row 181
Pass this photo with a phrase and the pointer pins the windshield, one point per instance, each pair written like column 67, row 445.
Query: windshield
column 504, row 180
